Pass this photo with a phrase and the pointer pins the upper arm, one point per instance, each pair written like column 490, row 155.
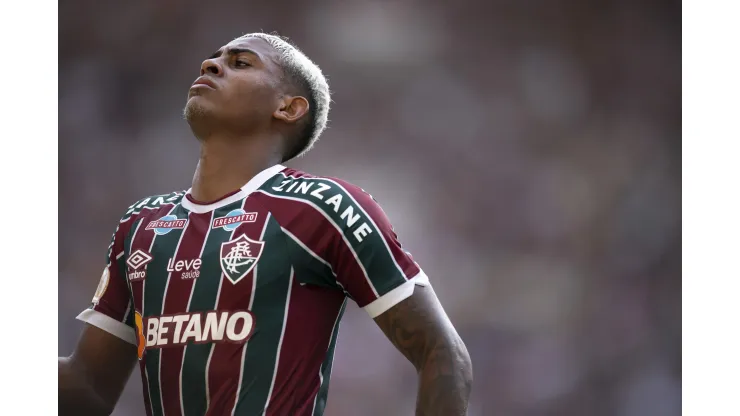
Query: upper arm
column 106, row 352
column 104, row 360
column 420, row 329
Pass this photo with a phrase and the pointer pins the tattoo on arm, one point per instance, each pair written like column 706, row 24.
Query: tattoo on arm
column 420, row 329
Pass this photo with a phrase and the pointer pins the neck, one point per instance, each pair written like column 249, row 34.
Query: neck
column 226, row 165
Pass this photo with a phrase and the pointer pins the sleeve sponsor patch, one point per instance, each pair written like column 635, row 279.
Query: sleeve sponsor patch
column 102, row 286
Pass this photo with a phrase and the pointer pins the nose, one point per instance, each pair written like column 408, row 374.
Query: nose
column 212, row 67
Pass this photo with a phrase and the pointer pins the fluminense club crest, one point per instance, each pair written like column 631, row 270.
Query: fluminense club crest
column 239, row 256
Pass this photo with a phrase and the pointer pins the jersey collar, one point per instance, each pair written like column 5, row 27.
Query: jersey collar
column 247, row 189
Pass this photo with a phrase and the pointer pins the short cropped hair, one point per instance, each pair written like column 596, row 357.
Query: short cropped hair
column 306, row 75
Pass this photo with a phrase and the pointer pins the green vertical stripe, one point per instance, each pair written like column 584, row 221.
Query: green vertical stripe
column 327, row 365
column 154, row 292
column 204, row 296
column 269, row 312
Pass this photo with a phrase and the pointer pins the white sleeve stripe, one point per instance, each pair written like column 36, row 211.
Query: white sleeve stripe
column 392, row 298
column 108, row 324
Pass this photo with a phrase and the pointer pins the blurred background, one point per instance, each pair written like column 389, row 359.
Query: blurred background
column 528, row 153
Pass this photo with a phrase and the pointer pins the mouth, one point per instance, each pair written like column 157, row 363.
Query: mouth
column 204, row 82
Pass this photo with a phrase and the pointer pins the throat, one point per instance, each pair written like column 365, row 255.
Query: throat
column 226, row 166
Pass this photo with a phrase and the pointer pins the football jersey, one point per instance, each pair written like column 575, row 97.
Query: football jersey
column 235, row 305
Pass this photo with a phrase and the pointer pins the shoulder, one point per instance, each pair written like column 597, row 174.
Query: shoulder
column 295, row 182
column 294, row 195
column 313, row 192
column 135, row 211
column 151, row 204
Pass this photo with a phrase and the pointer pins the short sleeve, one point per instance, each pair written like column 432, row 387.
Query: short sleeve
column 367, row 257
column 338, row 232
column 111, row 308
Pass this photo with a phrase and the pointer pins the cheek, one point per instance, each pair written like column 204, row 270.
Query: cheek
column 248, row 93
column 257, row 99
column 254, row 86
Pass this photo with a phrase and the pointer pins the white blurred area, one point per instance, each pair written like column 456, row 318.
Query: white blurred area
column 526, row 152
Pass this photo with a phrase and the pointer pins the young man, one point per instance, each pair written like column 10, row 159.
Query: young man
column 231, row 306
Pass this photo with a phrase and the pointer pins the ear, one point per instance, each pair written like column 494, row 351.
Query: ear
column 291, row 109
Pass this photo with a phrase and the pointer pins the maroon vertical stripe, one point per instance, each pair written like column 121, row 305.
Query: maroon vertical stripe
column 176, row 301
column 311, row 316
column 143, row 241
column 225, row 364
column 304, row 221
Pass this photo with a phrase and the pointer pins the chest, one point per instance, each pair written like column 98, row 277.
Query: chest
column 225, row 260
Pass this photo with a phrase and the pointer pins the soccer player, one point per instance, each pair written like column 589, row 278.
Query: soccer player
column 229, row 295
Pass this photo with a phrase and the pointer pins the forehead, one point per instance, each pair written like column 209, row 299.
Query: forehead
column 259, row 46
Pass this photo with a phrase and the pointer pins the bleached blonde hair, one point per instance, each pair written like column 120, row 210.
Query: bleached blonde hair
column 300, row 70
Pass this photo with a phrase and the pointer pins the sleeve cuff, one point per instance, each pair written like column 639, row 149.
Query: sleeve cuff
column 108, row 324
column 392, row 298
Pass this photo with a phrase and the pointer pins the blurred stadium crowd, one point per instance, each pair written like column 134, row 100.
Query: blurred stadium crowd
column 527, row 152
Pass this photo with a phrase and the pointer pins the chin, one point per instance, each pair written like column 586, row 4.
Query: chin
column 200, row 115
column 194, row 109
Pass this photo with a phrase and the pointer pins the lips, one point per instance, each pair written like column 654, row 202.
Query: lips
column 204, row 81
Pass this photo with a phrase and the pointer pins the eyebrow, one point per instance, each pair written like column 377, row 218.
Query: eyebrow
column 234, row 51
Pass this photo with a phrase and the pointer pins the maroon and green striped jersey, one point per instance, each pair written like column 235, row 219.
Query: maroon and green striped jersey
column 235, row 305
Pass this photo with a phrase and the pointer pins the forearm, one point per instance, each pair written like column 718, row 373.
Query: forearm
column 76, row 395
column 445, row 381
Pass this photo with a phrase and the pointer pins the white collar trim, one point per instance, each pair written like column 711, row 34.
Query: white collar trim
column 247, row 189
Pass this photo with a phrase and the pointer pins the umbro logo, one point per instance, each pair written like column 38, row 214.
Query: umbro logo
column 138, row 258
column 136, row 261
